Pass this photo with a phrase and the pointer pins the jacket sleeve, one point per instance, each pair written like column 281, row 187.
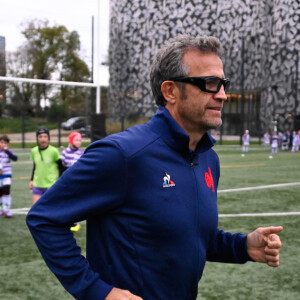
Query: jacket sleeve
column 228, row 248
column 85, row 190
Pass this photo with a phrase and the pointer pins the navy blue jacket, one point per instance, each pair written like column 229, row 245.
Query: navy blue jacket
column 151, row 210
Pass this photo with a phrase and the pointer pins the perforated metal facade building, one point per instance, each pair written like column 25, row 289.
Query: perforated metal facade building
column 270, row 31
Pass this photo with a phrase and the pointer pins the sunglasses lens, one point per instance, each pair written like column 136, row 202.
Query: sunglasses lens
column 212, row 84
column 226, row 86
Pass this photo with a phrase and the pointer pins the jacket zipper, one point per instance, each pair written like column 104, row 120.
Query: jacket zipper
column 192, row 165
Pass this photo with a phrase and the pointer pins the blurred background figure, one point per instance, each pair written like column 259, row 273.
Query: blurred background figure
column 285, row 141
column 295, row 141
column 275, row 142
column 246, row 141
column 267, row 140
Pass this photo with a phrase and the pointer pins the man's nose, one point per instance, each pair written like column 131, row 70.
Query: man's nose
column 221, row 95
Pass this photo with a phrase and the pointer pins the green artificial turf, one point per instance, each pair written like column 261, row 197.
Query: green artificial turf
column 24, row 275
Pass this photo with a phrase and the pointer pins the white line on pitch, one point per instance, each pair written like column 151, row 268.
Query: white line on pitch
column 259, row 187
column 21, row 209
column 260, row 214
column 24, row 211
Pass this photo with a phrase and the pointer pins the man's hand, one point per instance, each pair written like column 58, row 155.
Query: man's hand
column 30, row 185
column 264, row 244
column 118, row 294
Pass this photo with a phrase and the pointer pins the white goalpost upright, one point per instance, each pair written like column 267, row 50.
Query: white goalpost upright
column 57, row 82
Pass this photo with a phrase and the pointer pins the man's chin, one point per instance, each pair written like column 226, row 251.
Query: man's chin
column 214, row 125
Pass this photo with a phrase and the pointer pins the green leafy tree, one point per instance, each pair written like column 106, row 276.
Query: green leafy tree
column 73, row 69
column 21, row 94
column 51, row 52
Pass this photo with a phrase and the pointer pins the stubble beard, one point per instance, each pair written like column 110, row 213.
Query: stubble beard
column 206, row 125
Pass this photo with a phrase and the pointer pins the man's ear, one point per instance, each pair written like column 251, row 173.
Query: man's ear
column 170, row 91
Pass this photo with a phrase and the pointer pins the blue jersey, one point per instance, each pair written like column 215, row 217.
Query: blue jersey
column 151, row 210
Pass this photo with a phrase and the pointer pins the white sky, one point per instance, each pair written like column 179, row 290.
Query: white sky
column 74, row 14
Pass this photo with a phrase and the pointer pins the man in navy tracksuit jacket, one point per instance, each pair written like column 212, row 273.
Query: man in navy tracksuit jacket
column 149, row 195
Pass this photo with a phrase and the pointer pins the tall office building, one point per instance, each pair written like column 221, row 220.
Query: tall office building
column 2, row 55
column 261, row 43
column 2, row 69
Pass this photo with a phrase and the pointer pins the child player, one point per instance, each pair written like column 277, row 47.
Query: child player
column 246, row 141
column 267, row 140
column 6, row 156
column 274, row 143
column 46, row 164
column 69, row 156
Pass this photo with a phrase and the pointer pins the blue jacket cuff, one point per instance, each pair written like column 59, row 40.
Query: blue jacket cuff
column 99, row 290
column 244, row 250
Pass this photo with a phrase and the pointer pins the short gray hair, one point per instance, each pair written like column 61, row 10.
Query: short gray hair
column 168, row 60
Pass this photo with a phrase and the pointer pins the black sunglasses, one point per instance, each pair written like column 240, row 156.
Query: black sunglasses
column 209, row 84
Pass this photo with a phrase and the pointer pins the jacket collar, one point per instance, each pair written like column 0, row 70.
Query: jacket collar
column 164, row 125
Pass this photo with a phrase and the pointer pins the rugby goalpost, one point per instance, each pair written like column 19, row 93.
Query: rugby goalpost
column 100, row 8
column 57, row 82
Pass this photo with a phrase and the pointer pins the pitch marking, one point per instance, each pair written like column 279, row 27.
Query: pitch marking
column 21, row 178
column 23, row 211
column 296, row 213
column 243, row 166
column 259, row 187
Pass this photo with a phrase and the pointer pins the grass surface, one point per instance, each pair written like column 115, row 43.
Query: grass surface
column 14, row 125
column 24, row 275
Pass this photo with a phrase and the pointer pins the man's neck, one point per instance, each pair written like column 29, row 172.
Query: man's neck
column 195, row 134
column 194, row 140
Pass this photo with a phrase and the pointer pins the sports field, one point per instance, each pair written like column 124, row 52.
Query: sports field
column 253, row 191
